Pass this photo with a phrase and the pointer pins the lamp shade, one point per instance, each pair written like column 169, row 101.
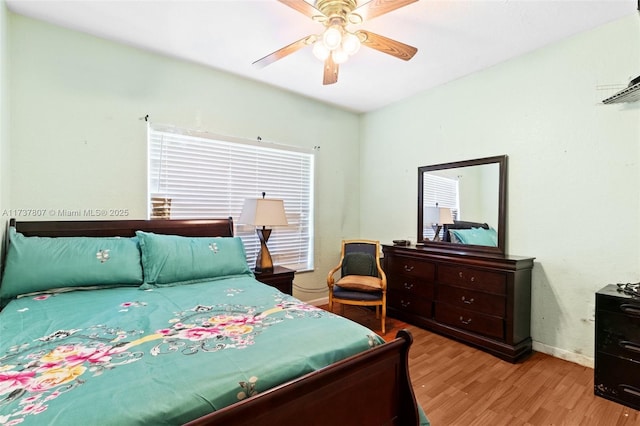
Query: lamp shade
column 438, row 215
column 263, row 212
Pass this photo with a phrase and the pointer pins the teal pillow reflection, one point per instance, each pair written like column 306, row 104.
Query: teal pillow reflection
column 477, row 236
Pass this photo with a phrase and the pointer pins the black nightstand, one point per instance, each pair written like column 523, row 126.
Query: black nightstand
column 617, row 349
column 280, row 278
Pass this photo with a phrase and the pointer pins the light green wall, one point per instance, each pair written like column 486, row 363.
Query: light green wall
column 78, row 141
column 573, row 169
column 4, row 121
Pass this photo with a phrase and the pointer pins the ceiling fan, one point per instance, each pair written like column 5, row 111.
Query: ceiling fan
column 337, row 43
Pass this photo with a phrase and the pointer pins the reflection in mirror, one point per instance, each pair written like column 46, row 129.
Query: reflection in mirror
column 462, row 203
column 436, row 217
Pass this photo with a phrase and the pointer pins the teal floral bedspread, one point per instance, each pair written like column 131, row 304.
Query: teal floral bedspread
column 161, row 356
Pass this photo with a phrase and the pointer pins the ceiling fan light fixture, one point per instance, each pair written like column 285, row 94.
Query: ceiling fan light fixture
column 351, row 43
column 332, row 37
column 355, row 19
column 339, row 55
column 336, row 44
column 320, row 51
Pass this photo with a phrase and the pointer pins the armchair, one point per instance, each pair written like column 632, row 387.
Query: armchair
column 362, row 282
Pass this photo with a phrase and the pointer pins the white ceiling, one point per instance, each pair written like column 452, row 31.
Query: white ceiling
column 454, row 38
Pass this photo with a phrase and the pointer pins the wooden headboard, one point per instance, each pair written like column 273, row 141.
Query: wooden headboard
column 126, row 228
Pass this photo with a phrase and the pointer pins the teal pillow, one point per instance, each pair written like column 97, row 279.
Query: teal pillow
column 169, row 260
column 35, row 264
column 477, row 236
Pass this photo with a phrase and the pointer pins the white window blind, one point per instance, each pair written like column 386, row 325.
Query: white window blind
column 443, row 192
column 198, row 175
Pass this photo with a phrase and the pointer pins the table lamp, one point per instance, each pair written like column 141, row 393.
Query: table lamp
column 263, row 212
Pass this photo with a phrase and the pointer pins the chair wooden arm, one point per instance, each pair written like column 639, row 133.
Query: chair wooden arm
column 383, row 278
column 330, row 279
column 381, row 273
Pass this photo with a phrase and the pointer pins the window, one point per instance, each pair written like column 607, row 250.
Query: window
column 199, row 175
column 443, row 192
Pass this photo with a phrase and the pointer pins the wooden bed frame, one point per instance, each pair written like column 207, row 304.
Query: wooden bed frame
column 370, row 388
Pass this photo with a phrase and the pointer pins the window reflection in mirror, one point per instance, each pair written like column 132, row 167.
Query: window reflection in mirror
column 473, row 191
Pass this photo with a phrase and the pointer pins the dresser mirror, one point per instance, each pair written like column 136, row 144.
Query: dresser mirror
column 462, row 205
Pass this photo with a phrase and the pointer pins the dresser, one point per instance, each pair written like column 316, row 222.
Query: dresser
column 617, row 347
column 480, row 299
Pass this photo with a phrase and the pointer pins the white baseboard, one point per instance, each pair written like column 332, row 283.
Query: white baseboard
column 318, row 302
column 564, row 354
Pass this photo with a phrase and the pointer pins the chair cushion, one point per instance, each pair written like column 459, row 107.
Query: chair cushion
column 360, row 283
column 359, row 264
column 340, row 293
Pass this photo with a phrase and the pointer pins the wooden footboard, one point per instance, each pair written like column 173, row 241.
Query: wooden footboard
column 370, row 388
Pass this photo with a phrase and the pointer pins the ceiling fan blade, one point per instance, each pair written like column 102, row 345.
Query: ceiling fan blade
column 281, row 53
column 374, row 8
column 387, row 45
column 330, row 71
column 302, row 7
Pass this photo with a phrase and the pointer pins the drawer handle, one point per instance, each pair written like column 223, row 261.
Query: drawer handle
column 461, row 275
column 630, row 346
column 462, row 320
column 405, row 304
column 631, row 390
column 467, row 301
column 408, row 286
column 630, row 309
column 408, row 268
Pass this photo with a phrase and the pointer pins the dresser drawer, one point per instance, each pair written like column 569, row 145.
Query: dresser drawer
column 469, row 320
column 400, row 265
column 408, row 303
column 628, row 307
column 490, row 304
column 617, row 379
column 410, row 284
column 475, row 279
column 617, row 334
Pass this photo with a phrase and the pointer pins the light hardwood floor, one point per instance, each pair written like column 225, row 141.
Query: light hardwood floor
column 458, row 385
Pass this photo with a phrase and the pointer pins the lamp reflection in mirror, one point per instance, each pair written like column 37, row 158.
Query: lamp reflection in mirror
column 437, row 216
column 263, row 212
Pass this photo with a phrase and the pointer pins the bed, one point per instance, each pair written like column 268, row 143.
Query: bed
column 143, row 330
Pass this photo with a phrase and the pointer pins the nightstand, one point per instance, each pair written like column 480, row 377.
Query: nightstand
column 617, row 348
column 280, row 278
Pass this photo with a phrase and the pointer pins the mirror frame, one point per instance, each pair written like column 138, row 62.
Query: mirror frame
column 501, row 160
